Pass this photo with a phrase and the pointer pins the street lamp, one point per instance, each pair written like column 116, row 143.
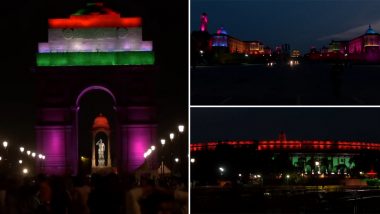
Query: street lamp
column 28, row 152
column 171, row 135
column 5, row 144
column 181, row 128
column 33, row 154
column 25, row 171
column 163, row 141
column 22, row 149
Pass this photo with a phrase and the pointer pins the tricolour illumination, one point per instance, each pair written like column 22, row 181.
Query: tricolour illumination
column 91, row 38
column 95, row 58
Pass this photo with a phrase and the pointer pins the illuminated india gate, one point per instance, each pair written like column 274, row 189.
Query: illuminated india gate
column 95, row 50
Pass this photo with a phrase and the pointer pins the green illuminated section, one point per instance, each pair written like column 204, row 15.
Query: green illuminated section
column 95, row 58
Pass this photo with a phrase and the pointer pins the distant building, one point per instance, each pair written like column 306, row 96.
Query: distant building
column 364, row 48
column 295, row 53
column 338, row 47
column 204, row 22
column 234, row 45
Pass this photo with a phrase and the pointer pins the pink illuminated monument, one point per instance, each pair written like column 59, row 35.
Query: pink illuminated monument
column 204, row 22
column 95, row 51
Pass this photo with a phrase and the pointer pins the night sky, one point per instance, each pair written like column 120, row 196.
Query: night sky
column 357, row 124
column 301, row 23
column 24, row 24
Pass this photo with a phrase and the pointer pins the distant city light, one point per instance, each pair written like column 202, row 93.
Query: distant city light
column 153, row 148
column 163, row 141
column 22, row 149
column 5, row 144
column 0, row 158
column 171, row 135
column 192, row 160
column 316, row 163
column 20, row 161
column 221, row 169
column 287, row 176
column 239, row 174
column 176, row 160
column 33, row 154
column 28, row 152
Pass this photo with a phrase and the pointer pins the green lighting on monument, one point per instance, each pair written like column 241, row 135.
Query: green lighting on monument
column 95, row 58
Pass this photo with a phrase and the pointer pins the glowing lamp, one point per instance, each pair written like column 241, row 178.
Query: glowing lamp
column 181, row 128
column 22, row 149
column 171, row 135
column 163, row 141
column 25, row 171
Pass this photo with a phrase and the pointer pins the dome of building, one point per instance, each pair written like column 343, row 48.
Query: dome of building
column 101, row 122
column 221, row 30
column 370, row 30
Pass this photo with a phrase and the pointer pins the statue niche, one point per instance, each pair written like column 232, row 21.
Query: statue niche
column 101, row 154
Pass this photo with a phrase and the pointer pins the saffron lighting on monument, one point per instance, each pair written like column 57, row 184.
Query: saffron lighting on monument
column 89, row 38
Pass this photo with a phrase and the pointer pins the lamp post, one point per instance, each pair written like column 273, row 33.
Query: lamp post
column 162, row 157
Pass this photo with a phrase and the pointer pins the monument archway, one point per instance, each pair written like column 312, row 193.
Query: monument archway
column 96, row 116
column 68, row 70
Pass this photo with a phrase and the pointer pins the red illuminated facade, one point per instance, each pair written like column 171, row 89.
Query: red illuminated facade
column 96, row 19
column 290, row 145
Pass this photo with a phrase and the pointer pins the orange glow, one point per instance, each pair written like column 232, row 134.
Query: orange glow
column 94, row 21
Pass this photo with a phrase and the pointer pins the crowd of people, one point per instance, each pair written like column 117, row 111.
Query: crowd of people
column 92, row 194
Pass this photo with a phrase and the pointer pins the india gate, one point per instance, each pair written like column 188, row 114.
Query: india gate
column 95, row 51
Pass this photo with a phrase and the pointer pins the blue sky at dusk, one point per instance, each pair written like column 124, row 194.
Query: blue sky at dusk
column 301, row 23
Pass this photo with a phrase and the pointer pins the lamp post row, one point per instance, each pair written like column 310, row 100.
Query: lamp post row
column 20, row 161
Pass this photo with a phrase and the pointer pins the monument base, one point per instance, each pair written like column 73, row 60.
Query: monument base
column 103, row 170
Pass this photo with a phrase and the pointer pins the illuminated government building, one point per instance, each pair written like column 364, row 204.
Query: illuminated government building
column 307, row 156
column 364, row 48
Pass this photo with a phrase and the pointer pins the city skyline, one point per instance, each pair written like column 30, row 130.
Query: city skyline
column 302, row 24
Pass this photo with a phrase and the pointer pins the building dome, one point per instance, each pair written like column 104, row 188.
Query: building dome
column 221, row 30
column 370, row 30
column 101, row 122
